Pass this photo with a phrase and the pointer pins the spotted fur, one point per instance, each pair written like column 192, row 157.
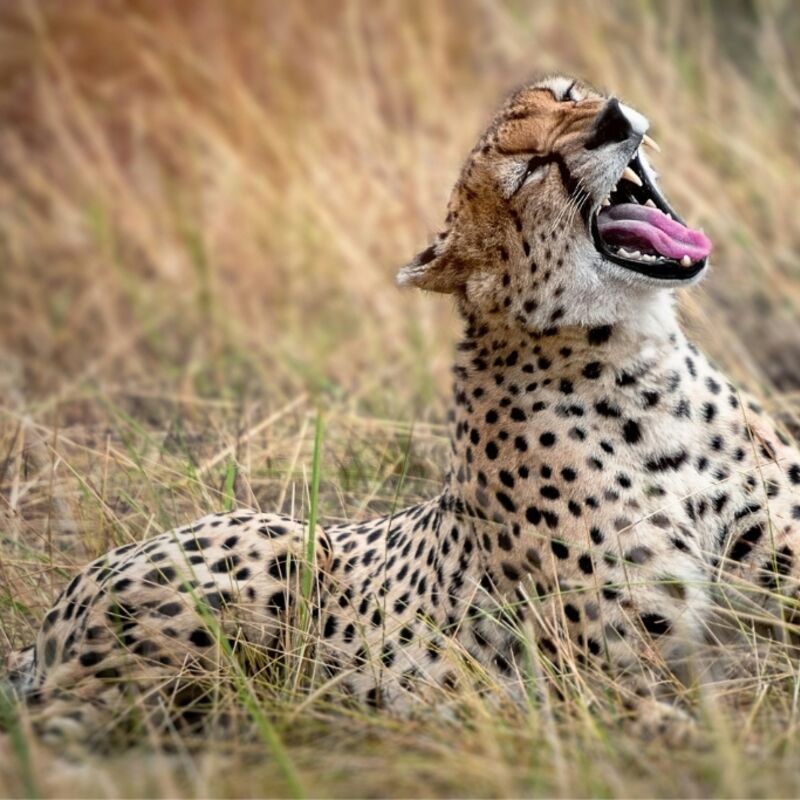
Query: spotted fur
column 607, row 484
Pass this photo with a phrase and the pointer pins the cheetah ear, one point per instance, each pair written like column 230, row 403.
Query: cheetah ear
column 435, row 269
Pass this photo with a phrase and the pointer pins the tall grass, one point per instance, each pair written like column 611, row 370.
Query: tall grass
column 202, row 207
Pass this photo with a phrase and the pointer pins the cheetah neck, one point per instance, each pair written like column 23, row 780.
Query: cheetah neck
column 520, row 400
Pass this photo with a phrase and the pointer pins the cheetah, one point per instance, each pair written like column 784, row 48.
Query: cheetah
column 608, row 488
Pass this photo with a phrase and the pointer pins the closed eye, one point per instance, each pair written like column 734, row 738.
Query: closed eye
column 535, row 168
column 570, row 95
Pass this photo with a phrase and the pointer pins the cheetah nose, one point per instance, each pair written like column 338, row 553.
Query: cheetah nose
column 616, row 123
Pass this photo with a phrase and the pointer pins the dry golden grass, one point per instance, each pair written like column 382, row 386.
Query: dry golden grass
column 202, row 206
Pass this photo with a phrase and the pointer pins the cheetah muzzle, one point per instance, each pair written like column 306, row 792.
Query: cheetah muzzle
column 637, row 229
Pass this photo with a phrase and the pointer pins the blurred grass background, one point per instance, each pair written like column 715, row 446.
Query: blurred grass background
column 202, row 208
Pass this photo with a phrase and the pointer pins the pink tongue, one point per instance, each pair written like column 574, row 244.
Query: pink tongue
column 649, row 230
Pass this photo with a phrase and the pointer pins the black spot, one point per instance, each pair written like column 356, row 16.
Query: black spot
column 632, row 431
column 551, row 519
column 533, row 515
column 740, row 549
column 607, row 409
column 650, row 398
column 577, row 434
column 122, row 615
column 272, row 531
column 52, row 618
column 593, row 370
column 196, row 544
column 560, row 550
column 281, row 567
column 277, row 602
column 779, row 565
column 506, row 478
column 160, row 575
column 655, row 624
column 533, row 556
column 226, row 564
column 169, row 609
column 217, row 600
column 666, row 462
column 599, row 335
column 505, row 501
column 744, row 544
column 683, row 409
column 200, row 638
column 90, row 658
column 625, row 379
column 109, row 673
column 610, row 592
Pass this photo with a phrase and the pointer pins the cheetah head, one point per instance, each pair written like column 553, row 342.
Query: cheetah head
column 557, row 218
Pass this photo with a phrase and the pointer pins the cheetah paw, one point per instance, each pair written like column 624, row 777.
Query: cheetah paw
column 655, row 720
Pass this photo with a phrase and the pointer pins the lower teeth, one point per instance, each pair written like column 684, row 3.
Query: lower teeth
column 636, row 255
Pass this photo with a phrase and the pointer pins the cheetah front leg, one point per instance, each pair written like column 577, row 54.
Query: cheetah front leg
column 634, row 619
column 759, row 539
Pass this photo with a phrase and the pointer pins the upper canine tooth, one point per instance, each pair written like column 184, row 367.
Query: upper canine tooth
column 631, row 176
column 686, row 261
column 648, row 141
column 606, row 202
column 649, row 202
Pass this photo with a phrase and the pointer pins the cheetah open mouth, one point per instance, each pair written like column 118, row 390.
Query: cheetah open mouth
column 636, row 228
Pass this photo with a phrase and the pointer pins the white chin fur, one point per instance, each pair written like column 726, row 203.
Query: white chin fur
column 603, row 293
